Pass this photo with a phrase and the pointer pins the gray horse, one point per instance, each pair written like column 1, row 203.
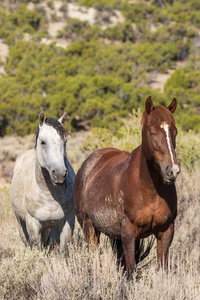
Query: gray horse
column 42, row 187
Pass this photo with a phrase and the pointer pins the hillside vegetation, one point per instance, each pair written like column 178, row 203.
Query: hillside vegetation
column 106, row 70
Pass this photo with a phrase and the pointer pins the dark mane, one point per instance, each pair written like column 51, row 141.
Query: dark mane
column 160, row 113
column 55, row 124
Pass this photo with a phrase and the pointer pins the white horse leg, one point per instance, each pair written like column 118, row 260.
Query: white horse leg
column 66, row 233
column 22, row 231
column 33, row 228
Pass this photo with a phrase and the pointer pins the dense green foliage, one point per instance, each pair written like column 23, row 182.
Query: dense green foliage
column 105, row 71
column 14, row 25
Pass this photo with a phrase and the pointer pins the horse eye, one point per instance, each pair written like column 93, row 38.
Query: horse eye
column 43, row 143
column 152, row 133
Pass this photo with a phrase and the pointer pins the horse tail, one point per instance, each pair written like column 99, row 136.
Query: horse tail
column 142, row 248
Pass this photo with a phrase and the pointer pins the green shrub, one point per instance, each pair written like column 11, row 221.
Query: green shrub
column 122, row 31
column 178, row 80
column 100, row 4
column 188, row 149
column 128, row 135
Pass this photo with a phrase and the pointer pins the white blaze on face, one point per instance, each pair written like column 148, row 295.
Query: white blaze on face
column 165, row 126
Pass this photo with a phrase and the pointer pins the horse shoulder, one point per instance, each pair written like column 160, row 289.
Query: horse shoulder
column 46, row 204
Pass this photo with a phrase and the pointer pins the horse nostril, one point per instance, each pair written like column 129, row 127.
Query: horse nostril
column 169, row 171
column 66, row 172
column 53, row 171
column 172, row 171
column 176, row 170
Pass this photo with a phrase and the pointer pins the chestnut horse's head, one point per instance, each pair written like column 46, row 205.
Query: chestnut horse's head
column 159, row 138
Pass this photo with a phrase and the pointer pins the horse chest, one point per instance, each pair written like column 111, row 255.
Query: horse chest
column 51, row 211
column 161, row 216
column 43, row 207
column 150, row 218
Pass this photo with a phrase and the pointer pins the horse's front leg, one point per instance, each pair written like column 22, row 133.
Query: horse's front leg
column 33, row 228
column 164, row 240
column 66, row 229
column 128, row 243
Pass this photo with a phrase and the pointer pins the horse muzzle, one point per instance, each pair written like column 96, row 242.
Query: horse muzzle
column 171, row 173
column 58, row 177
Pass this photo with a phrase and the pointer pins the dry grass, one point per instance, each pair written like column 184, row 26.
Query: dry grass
column 83, row 274
column 26, row 274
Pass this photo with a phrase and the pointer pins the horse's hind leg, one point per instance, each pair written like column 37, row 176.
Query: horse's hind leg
column 91, row 234
column 137, row 251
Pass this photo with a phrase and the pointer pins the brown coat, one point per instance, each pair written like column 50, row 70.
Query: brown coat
column 130, row 196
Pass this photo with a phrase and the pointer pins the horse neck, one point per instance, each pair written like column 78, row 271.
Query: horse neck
column 40, row 176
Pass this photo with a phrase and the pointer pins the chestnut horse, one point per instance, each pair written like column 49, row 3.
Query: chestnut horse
column 130, row 196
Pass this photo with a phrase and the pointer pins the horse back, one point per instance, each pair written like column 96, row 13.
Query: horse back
column 97, row 188
column 99, row 163
column 23, row 162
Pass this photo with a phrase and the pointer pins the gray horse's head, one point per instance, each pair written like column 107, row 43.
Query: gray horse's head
column 50, row 147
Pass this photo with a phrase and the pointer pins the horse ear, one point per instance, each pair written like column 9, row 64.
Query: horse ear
column 41, row 118
column 149, row 105
column 172, row 106
column 63, row 119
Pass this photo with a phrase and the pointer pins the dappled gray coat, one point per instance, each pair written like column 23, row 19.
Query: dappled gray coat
column 42, row 188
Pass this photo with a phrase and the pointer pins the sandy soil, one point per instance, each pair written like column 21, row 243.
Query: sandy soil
column 81, row 13
column 158, row 80
column 3, row 51
column 3, row 54
column 78, row 12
